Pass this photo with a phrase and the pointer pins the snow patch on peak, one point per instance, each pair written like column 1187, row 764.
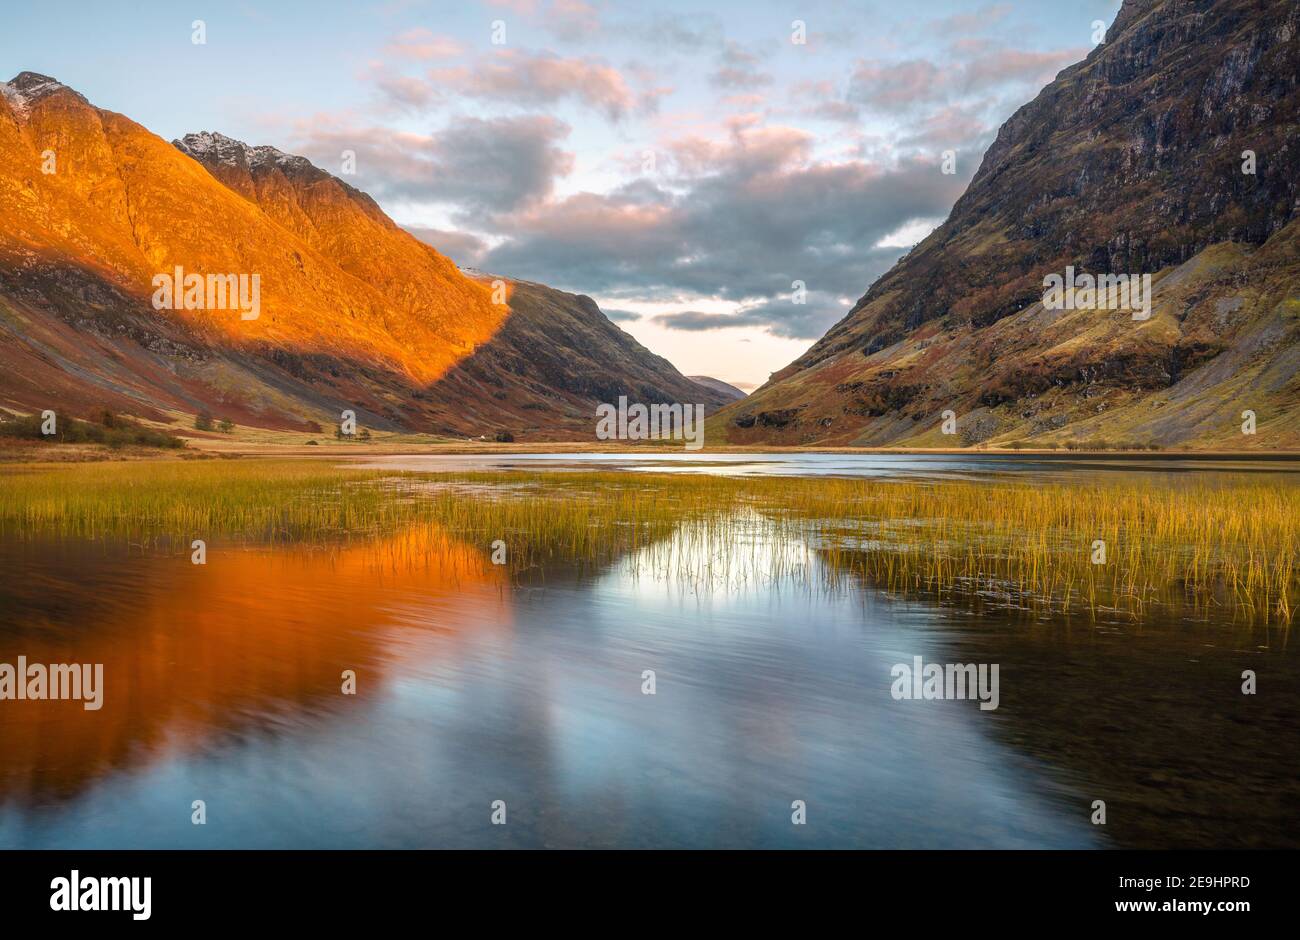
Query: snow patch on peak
column 26, row 88
column 212, row 147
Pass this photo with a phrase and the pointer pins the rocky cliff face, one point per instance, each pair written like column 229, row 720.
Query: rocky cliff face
column 355, row 313
column 1129, row 162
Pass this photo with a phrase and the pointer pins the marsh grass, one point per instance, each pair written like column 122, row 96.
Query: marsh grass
column 1212, row 548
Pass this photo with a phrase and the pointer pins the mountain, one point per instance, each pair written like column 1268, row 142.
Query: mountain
column 352, row 311
column 717, row 385
column 553, row 360
column 1132, row 162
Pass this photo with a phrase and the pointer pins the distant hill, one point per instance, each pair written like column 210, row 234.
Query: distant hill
column 719, row 386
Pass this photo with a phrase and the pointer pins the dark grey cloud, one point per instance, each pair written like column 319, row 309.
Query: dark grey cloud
column 747, row 224
column 461, row 247
column 621, row 316
column 781, row 316
column 482, row 166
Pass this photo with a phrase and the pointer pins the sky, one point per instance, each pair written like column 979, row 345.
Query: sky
column 684, row 164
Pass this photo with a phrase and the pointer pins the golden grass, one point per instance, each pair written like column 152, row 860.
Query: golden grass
column 1217, row 547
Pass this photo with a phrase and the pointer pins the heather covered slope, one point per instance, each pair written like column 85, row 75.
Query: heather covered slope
column 355, row 312
column 1129, row 162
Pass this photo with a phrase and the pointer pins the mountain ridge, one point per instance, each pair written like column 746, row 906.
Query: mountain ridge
column 1129, row 161
column 356, row 313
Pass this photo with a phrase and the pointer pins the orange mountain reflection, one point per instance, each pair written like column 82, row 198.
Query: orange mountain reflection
column 255, row 638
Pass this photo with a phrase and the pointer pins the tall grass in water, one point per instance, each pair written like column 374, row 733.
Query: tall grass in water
column 1227, row 547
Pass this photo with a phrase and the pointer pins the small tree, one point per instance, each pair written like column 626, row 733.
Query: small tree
column 364, row 434
column 203, row 420
column 505, row 437
column 226, row 425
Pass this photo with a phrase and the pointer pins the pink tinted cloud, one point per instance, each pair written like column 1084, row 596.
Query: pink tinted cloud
column 542, row 78
column 900, row 86
column 572, row 19
column 522, row 7
column 423, row 45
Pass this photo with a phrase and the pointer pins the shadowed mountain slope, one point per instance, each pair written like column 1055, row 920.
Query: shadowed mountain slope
column 1130, row 162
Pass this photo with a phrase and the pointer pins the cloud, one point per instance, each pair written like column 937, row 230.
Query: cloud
column 572, row 20
column 738, row 220
column 951, row 127
column 738, row 70
column 899, row 88
column 780, row 317
column 1010, row 66
column 694, row 321
column 736, row 208
column 422, row 45
column 403, row 92
column 895, row 86
column 522, row 7
column 967, row 24
column 482, row 166
column 668, row 33
column 461, row 247
column 538, row 79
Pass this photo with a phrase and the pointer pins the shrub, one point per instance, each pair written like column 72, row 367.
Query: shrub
column 505, row 437
column 75, row 431
column 203, row 421
column 226, row 426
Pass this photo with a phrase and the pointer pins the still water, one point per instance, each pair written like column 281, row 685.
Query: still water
column 222, row 684
column 805, row 464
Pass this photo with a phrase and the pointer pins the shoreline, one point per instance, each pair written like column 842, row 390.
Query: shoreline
column 203, row 449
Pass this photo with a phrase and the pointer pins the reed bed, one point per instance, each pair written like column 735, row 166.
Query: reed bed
column 1213, row 548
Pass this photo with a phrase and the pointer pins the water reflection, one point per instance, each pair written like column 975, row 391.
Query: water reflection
column 194, row 656
column 1040, row 467
column 222, row 684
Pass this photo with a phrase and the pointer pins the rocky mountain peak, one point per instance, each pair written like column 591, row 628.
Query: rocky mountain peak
column 210, row 147
column 27, row 88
